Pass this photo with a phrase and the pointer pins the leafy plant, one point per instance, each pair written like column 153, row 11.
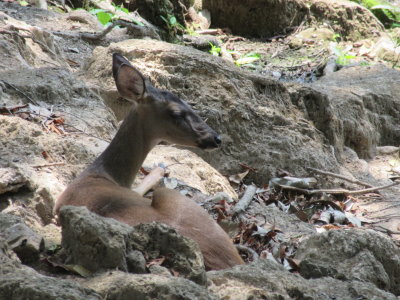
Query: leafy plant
column 215, row 50
column 102, row 15
column 336, row 37
column 343, row 58
column 23, row 3
column 105, row 17
column 386, row 12
column 120, row 8
column 172, row 24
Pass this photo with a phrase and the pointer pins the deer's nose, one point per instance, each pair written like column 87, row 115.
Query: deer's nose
column 217, row 140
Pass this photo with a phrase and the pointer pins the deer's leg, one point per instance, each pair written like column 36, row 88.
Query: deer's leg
column 150, row 181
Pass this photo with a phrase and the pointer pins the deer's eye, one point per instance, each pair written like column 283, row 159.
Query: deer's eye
column 177, row 114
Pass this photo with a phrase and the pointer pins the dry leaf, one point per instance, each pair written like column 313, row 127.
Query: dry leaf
column 238, row 178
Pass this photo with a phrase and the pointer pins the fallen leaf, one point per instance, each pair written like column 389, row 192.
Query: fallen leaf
column 238, row 178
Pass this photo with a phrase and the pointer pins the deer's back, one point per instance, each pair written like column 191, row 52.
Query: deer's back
column 168, row 206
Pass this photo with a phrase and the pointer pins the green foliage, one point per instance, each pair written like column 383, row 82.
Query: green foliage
column 215, row 50
column 343, row 58
column 336, row 37
column 23, row 3
column 387, row 13
column 102, row 15
column 120, row 8
column 105, row 17
column 172, row 24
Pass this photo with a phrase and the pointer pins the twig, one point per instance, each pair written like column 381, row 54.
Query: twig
column 132, row 29
column 338, row 191
column 385, row 230
column 10, row 109
column 248, row 250
column 244, row 202
column 49, row 165
column 100, row 35
column 356, row 181
column 88, row 134
column 19, row 91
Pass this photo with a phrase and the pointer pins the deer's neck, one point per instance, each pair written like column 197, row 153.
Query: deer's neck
column 124, row 156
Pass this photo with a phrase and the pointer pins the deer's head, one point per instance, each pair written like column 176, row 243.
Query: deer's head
column 167, row 117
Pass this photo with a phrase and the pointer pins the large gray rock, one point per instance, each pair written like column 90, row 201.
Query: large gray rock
column 122, row 286
column 357, row 107
column 256, row 18
column 98, row 243
column 20, row 238
column 363, row 255
column 11, row 180
column 154, row 9
column 259, row 124
column 18, row 282
column 265, row 279
column 260, row 18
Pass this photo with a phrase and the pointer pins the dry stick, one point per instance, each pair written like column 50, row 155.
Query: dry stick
column 100, row 35
column 49, row 165
column 248, row 195
column 85, row 133
column 356, row 181
column 151, row 180
column 19, row 91
column 338, row 191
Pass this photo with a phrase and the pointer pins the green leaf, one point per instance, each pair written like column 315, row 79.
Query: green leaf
column 104, row 17
column 95, row 11
column 23, row 3
column 164, row 19
column 172, row 20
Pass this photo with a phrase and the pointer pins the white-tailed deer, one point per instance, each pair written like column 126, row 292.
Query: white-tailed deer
column 104, row 187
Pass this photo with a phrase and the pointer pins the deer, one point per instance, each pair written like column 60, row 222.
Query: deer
column 104, row 186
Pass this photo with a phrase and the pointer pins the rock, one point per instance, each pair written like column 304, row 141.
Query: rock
column 152, row 10
column 362, row 255
column 388, row 150
column 265, row 279
column 21, row 239
column 22, row 52
column 258, row 123
column 159, row 270
column 290, row 225
column 136, row 262
column 201, row 42
column 256, row 18
column 192, row 170
column 346, row 18
column 387, row 49
column 18, row 282
column 352, row 110
column 119, row 285
column 318, row 36
column 83, row 16
column 23, row 145
column 98, row 243
column 11, row 180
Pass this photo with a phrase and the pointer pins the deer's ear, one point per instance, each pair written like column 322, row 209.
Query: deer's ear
column 129, row 81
